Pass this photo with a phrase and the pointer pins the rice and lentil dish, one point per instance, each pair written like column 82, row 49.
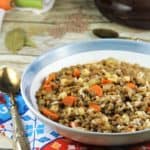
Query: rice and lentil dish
column 106, row 96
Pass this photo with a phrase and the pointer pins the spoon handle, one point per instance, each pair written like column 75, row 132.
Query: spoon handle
column 20, row 141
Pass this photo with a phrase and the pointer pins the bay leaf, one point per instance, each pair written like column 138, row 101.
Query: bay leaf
column 29, row 42
column 15, row 39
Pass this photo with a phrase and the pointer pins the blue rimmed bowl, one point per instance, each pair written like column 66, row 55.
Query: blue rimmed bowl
column 79, row 53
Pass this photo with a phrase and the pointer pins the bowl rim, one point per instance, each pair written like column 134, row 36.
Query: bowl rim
column 146, row 47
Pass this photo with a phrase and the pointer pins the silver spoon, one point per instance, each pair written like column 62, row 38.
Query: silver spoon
column 109, row 33
column 10, row 84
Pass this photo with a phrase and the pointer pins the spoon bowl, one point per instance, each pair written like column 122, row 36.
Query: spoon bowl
column 9, row 80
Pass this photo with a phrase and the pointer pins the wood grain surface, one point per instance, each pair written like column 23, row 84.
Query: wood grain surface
column 66, row 22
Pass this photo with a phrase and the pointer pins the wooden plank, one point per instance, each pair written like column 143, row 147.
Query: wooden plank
column 65, row 23
column 47, row 36
column 61, row 12
column 45, row 41
column 18, row 62
column 5, row 143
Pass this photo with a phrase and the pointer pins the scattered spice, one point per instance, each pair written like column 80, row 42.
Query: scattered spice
column 76, row 22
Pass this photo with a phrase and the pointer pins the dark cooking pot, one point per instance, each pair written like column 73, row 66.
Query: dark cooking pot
column 135, row 13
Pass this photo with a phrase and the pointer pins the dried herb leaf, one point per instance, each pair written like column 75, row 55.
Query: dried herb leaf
column 15, row 39
column 29, row 42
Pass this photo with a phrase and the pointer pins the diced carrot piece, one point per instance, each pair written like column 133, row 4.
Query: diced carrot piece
column 73, row 124
column 148, row 109
column 6, row 4
column 76, row 72
column 95, row 107
column 47, row 87
column 48, row 83
column 49, row 113
column 106, row 81
column 69, row 100
column 53, row 85
column 97, row 90
column 50, row 78
column 131, row 85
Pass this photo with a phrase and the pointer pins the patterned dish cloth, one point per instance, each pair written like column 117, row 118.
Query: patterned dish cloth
column 42, row 137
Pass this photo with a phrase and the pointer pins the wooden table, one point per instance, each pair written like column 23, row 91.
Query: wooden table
column 68, row 21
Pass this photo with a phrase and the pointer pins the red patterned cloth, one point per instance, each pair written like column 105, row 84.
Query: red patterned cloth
column 66, row 144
